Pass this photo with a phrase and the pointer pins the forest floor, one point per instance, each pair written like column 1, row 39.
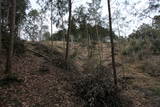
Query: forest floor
column 46, row 84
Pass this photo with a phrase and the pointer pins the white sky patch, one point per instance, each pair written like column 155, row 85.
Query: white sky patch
column 126, row 26
column 34, row 4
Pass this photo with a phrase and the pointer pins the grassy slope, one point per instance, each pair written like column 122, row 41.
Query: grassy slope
column 50, row 88
column 142, row 88
column 54, row 88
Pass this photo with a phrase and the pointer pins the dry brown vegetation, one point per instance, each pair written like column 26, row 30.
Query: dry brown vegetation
column 45, row 83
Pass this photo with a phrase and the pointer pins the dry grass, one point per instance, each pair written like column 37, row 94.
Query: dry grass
column 54, row 88
column 141, row 86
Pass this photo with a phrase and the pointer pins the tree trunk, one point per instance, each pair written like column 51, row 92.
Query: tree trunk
column 63, row 33
column 12, row 16
column 41, row 24
column 112, row 45
column 68, row 32
column 51, row 24
column 0, row 27
column 99, row 47
column 88, row 43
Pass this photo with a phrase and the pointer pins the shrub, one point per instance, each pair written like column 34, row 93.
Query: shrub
column 9, row 79
column 97, row 90
column 19, row 47
column 156, row 91
column 151, row 67
column 136, row 48
column 156, row 46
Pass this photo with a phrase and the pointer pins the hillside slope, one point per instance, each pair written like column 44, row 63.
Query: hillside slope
column 43, row 81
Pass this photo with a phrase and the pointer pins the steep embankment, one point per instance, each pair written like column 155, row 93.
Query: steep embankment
column 43, row 83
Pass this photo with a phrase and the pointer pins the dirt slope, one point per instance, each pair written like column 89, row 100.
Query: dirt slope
column 43, row 84
column 46, row 84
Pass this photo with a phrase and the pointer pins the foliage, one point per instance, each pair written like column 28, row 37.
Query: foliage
column 156, row 91
column 22, row 6
column 10, row 79
column 151, row 66
column 19, row 48
column 81, row 17
column 156, row 22
column 46, row 36
column 79, row 34
column 134, row 47
column 31, row 27
column 144, row 41
column 59, row 36
column 97, row 90
column 59, row 10
column 155, row 47
column 94, row 12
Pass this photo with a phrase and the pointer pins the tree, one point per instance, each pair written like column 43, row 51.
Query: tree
column 61, row 8
column 80, row 17
column 43, row 30
column 51, row 2
column 21, row 6
column 0, row 27
column 42, row 26
column 12, row 19
column 112, row 45
column 31, row 27
column 73, row 28
column 58, row 9
column 46, row 36
column 156, row 22
column 68, row 32
column 145, row 31
column 94, row 13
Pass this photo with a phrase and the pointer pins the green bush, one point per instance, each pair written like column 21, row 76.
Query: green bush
column 97, row 90
column 156, row 46
column 151, row 67
column 156, row 91
column 134, row 46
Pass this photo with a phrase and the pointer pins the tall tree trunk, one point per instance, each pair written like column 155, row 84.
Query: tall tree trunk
column 88, row 42
column 0, row 27
column 51, row 24
column 12, row 17
column 63, row 33
column 99, row 47
column 41, row 24
column 68, row 32
column 112, row 44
